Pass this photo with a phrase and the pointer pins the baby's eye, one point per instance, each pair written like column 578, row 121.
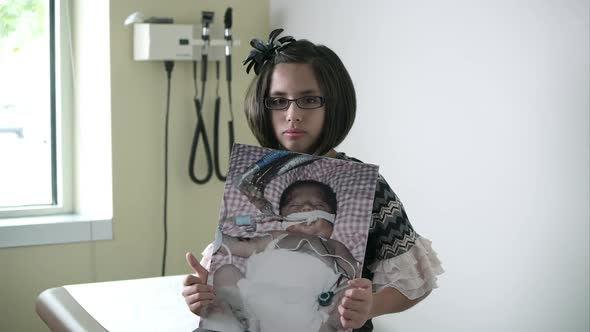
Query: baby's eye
column 320, row 203
column 293, row 206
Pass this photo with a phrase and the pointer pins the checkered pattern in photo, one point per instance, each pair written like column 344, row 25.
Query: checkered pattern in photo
column 354, row 184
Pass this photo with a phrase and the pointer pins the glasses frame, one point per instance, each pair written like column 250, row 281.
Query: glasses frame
column 296, row 100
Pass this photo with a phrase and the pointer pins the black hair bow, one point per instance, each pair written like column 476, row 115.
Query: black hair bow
column 263, row 52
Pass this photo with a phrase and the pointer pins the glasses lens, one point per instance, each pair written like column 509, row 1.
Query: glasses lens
column 310, row 102
column 276, row 103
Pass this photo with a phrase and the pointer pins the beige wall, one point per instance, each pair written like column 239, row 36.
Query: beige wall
column 137, row 91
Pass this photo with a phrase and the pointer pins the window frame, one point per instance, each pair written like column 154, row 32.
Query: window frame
column 61, row 112
column 81, row 215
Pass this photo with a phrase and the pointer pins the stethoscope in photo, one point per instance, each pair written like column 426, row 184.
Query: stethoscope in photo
column 213, row 163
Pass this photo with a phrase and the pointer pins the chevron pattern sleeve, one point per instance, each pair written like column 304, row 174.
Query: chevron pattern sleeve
column 396, row 255
column 392, row 232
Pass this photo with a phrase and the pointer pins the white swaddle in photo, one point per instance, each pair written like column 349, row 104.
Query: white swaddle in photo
column 281, row 289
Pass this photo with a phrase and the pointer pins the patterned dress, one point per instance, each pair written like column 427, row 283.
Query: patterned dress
column 393, row 246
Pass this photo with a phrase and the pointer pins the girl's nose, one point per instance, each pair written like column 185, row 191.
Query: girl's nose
column 294, row 113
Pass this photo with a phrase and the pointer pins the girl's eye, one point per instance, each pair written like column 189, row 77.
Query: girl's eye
column 311, row 100
column 277, row 101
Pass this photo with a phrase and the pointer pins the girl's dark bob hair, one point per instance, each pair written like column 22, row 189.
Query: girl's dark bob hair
column 335, row 84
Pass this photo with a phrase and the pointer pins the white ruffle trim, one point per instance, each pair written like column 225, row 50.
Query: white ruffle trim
column 413, row 273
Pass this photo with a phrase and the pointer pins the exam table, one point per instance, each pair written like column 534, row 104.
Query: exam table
column 151, row 304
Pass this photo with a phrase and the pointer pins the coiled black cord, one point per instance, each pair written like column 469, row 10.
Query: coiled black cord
column 199, row 131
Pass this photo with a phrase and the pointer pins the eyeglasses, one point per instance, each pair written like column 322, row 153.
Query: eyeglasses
column 306, row 102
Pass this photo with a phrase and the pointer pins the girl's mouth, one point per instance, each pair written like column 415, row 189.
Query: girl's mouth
column 294, row 132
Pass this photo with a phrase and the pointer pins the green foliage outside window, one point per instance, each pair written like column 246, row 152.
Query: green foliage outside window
column 20, row 22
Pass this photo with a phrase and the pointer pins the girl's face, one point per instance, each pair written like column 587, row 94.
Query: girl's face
column 296, row 129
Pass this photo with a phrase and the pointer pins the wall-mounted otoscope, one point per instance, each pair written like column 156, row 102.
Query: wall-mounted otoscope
column 161, row 40
column 206, row 20
column 227, row 20
column 230, row 124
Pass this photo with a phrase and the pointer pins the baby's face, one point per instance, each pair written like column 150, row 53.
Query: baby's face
column 308, row 198
column 305, row 198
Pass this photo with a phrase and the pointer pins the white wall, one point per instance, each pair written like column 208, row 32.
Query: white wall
column 478, row 113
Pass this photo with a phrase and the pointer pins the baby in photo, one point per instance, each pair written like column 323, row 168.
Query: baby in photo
column 300, row 270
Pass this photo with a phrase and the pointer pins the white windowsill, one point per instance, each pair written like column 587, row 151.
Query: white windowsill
column 31, row 231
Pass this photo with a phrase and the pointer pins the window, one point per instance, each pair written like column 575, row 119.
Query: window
column 30, row 180
column 55, row 139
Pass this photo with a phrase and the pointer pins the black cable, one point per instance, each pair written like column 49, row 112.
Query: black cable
column 195, row 78
column 228, row 21
column 199, row 131
column 169, row 66
column 218, row 172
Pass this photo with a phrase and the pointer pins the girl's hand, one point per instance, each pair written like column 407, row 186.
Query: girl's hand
column 197, row 294
column 356, row 304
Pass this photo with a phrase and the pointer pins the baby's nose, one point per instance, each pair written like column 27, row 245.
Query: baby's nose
column 306, row 208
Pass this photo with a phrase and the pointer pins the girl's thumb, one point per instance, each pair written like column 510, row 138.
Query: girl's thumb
column 196, row 266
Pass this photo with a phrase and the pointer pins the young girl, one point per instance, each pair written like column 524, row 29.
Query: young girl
column 303, row 100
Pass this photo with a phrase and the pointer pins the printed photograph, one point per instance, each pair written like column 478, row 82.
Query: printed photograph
column 292, row 231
